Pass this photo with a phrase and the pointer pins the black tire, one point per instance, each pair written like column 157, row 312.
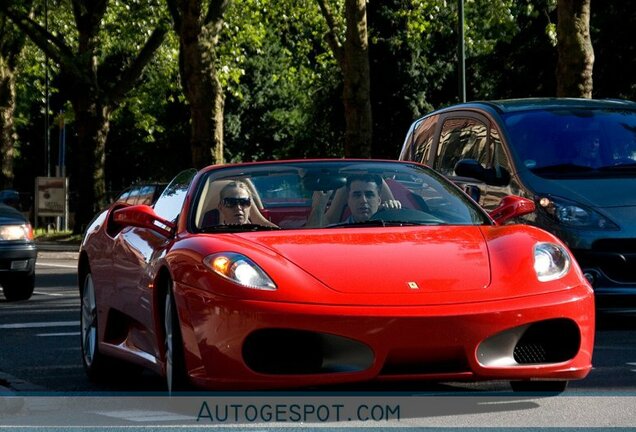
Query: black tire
column 96, row 365
column 18, row 287
column 551, row 387
column 176, row 377
column 99, row 368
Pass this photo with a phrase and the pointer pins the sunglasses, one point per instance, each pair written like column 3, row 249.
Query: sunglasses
column 235, row 202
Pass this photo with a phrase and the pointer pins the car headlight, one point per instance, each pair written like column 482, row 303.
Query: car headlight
column 574, row 215
column 16, row 232
column 239, row 269
column 551, row 261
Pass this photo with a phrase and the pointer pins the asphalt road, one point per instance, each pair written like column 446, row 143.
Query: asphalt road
column 40, row 359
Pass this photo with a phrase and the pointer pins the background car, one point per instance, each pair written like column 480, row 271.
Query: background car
column 18, row 254
column 22, row 201
column 576, row 158
column 434, row 290
column 10, row 197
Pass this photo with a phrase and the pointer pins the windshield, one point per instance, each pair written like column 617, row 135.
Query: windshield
column 328, row 194
column 574, row 142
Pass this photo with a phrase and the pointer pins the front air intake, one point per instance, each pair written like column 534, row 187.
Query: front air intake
column 551, row 341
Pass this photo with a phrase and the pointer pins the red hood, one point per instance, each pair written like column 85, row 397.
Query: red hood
column 388, row 260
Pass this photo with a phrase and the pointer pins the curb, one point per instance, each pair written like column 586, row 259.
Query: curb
column 56, row 255
column 55, row 247
column 53, row 250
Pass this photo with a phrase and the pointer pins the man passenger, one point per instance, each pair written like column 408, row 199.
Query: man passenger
column 363, row 201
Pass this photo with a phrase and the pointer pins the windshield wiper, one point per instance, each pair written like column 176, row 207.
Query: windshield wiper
column 561, row 168
column 370, row 222
column 238, row 228
column 384, row 223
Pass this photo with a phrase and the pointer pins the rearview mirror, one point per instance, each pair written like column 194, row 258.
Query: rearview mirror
column 323, row 181
column 510, row 207
column 142, row 216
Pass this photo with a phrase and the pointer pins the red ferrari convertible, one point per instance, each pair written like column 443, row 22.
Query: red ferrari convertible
column 306, row 273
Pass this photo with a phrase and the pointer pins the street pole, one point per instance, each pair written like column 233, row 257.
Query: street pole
column 461, row 51
column 47, row 135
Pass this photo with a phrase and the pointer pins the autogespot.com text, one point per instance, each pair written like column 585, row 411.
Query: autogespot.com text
column 211, row 412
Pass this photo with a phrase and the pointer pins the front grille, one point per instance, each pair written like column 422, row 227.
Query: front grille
column 280, row 351
column 627, row 246
column 550, row 341
column 616, row 258
column 530, row 353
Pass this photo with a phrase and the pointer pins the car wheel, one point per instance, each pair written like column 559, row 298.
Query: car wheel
column 176, row 379
column 554, row 387
column 18, row 287
column 99, row 368
column 95, row 363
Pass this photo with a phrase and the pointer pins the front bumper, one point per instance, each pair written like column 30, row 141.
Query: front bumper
column 17, row 257
column 243, row 344
column 609, row 267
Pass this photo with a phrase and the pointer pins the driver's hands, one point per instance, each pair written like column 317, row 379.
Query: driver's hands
column 390, row 204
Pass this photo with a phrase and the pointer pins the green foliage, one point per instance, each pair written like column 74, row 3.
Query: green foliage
column 140, row 124
column 283, row 87
column 521, row 66
column 277, row 70
column 60, row 237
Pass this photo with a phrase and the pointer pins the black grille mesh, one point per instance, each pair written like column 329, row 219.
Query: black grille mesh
column 530, row 353
column 550, row 341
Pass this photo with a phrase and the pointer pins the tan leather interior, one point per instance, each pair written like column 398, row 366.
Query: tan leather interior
column 210, row 199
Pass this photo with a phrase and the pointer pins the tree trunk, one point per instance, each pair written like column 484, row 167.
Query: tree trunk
column 575, row 51
column 198, row 37
column 205, row 96
column 357, row 92
column 7, row 127
column 92, row 125
column 353, row 60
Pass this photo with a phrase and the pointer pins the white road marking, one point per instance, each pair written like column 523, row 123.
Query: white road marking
column 45, row 264
column 49, row 294
column 40, row 325
column 144, row 416
column 58, row 334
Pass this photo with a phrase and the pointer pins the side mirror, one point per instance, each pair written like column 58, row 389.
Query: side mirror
column 470, row 168
column 492, row 176
column 510, row 207
column 142, row 216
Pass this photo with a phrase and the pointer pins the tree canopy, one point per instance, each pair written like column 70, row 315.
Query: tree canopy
column 119, row 90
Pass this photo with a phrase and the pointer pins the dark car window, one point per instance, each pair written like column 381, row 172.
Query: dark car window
column 462, row 138
column 124, row 195
column 574, row 141
column 169, row 204
column 424, row 134
column 501, row 160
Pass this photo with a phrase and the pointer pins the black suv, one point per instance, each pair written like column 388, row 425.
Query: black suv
column 576, row 158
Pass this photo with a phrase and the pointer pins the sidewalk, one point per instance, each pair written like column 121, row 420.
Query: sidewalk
column 57, row 250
